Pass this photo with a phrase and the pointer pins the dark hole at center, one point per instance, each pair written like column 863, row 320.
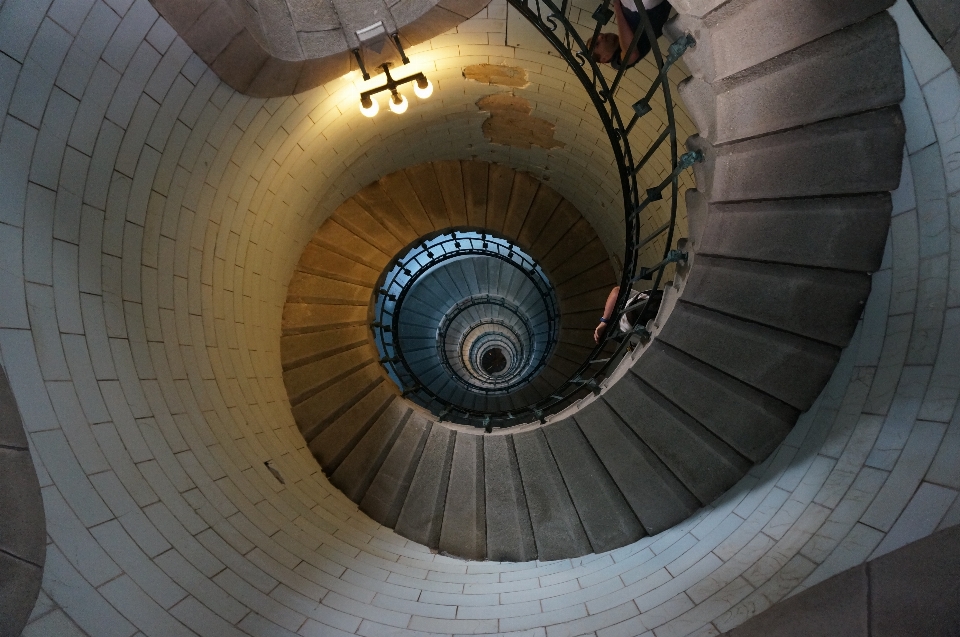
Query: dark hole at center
column 493, row 361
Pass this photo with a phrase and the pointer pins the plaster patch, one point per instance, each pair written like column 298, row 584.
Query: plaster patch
column 511, row 123
column 499, row 74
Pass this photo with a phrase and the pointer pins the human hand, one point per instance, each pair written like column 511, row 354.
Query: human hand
column 598, row 333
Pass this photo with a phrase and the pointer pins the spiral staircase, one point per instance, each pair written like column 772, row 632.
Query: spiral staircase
column 785, row 229
column 800, row 143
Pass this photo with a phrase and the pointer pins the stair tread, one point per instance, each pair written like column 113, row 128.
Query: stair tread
column 388, row 491
column 464, row 513
column 450, row 178
column 703, row 462
column 422, row 514
column 824, row 305
column 339, row 438
column 789, row 367
column 606, row 517
column 557, row 530
column 748, row 420
column 358, row 470
column 508, row 527
column 658, row 498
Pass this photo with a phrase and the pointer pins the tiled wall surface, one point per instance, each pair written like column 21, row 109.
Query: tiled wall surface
column 149, row 222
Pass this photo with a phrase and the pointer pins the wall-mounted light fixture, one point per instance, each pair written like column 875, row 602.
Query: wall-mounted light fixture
column 374, row 37
column 398, row 103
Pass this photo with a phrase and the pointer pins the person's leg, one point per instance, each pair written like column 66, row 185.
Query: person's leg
column 658, row 16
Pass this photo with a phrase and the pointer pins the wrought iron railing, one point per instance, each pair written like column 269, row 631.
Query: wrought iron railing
column 430, row 252
column 552, row 20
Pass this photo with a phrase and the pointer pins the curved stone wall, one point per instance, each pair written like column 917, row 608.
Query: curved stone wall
column 153, row 239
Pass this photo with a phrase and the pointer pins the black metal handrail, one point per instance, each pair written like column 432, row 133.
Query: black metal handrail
column 552, row 20
column 423, row 257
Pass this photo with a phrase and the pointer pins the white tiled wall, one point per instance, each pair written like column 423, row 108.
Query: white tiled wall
column 149, row 220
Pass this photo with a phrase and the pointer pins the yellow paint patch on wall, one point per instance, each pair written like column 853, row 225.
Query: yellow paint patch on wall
column 499, row 74
column 511, row 123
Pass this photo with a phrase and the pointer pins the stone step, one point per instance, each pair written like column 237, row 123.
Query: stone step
column 508, row 528
column 593, row 258
column 851, row 155
column 564, row 217
column 658, row 498
column 339, row 438
column 337, row 238
column 786, row 366
column 423, row 179
column 384, row 500
column 303, row 318
column 464, row 531
column 557, row 530
column 450, row 179
column 596, row 279
column 357, row 471
column 702, row 461
column 401, row 192
column 350, row 214
column 321, row 259
column 853, row 70
column 842, row 233
column 728, row 41
column 522, row 192
column 307, row 380
column 748, row 420
column 606, row 517
column 421, row 517
column 317, row 412
column 475, row 189
column 375, row 200
column 821, row 304
column 297, row 350
column 544, row 203
column 499, row 187
column 592, row 301
column 305, row 287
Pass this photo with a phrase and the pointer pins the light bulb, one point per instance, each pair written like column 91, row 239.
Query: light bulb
column 370, row 109
column 424, row 91
column 398, row 103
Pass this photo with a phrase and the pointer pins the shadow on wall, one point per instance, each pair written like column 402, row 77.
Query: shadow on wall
column 914, row 590
column 22, row 524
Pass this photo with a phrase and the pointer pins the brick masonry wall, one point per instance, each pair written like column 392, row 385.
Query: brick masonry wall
column 150, row 220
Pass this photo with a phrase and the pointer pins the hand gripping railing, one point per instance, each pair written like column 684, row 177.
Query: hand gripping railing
column 552, row 20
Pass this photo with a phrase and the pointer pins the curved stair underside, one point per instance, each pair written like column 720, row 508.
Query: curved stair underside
column 789, row 221
column 273, row 48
